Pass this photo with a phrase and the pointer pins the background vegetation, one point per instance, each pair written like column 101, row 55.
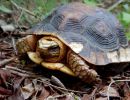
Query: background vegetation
column 29, row 12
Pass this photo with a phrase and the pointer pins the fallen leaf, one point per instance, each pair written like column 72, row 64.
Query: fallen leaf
column 112, row 93
column 8, row 28
column 44, row 94
column 27, row 91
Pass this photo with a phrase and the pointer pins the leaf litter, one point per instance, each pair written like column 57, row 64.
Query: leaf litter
column 23, row 80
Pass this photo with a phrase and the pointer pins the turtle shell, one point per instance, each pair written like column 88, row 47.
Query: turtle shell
column 93, row 33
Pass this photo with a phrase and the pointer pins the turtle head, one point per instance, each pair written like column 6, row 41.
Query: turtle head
column 48, row 48
column 51, row 49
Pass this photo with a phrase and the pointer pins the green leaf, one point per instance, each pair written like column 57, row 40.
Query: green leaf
column 50, row 5
column 90, row 2
column 128, row 35
column 5, row 9
column 64, row 1
column 126, row 17
column 126, row 7
column 23, row 62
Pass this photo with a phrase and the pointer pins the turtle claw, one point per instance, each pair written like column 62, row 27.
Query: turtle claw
column 53, row 66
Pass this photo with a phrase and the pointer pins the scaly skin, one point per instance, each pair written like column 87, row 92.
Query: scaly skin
column 81, row 69
column 26, row 44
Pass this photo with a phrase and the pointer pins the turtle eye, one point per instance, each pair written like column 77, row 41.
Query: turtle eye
column 53, row 49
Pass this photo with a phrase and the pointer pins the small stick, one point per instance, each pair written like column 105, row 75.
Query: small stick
column 6, row 61
column 19, row 74
column 57, row 96
column 14, row 45
column 17, row 69
column 113, row 81
column 93, row 94
column 128, row 86
column 68, row 90
column 18, row 7
column 115, row 5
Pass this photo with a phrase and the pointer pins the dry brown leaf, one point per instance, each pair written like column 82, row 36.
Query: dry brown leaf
column 112, row 93
column 16, row 96
column 2, row 22
column 27, row 90
column 7, row 28
column 56, row 81
column 44, row 94
column 126, row 90
column 86, row 97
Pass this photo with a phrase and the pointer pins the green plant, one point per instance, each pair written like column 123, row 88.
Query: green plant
column 5, row 9
column 124, row 16
column 90, row 2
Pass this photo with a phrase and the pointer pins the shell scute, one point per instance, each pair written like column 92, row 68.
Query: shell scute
column 99, row 32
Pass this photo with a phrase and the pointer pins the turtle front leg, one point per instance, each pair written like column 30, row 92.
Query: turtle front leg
column 81, row 68
column 26, row 44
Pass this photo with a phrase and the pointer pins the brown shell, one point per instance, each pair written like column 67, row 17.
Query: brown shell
column 92, row 33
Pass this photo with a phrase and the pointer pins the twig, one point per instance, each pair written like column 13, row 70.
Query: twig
column 56, row 87
column 19, row 74
column 113, row 81
column 14, row 45
column 36, row 89
column 127, row 86
column 20, row 33
column 57, row 96
column 115, row 5
column 93, row 94
column 18, row 70
column 18, row 7
column 22, row 74
column 21, row 14
column 6, row 61
column 57, row 82
column 16, row 21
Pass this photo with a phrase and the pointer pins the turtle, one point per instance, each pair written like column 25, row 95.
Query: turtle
column 79, row 40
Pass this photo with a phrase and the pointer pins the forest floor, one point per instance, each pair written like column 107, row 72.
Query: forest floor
column 24, row 80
